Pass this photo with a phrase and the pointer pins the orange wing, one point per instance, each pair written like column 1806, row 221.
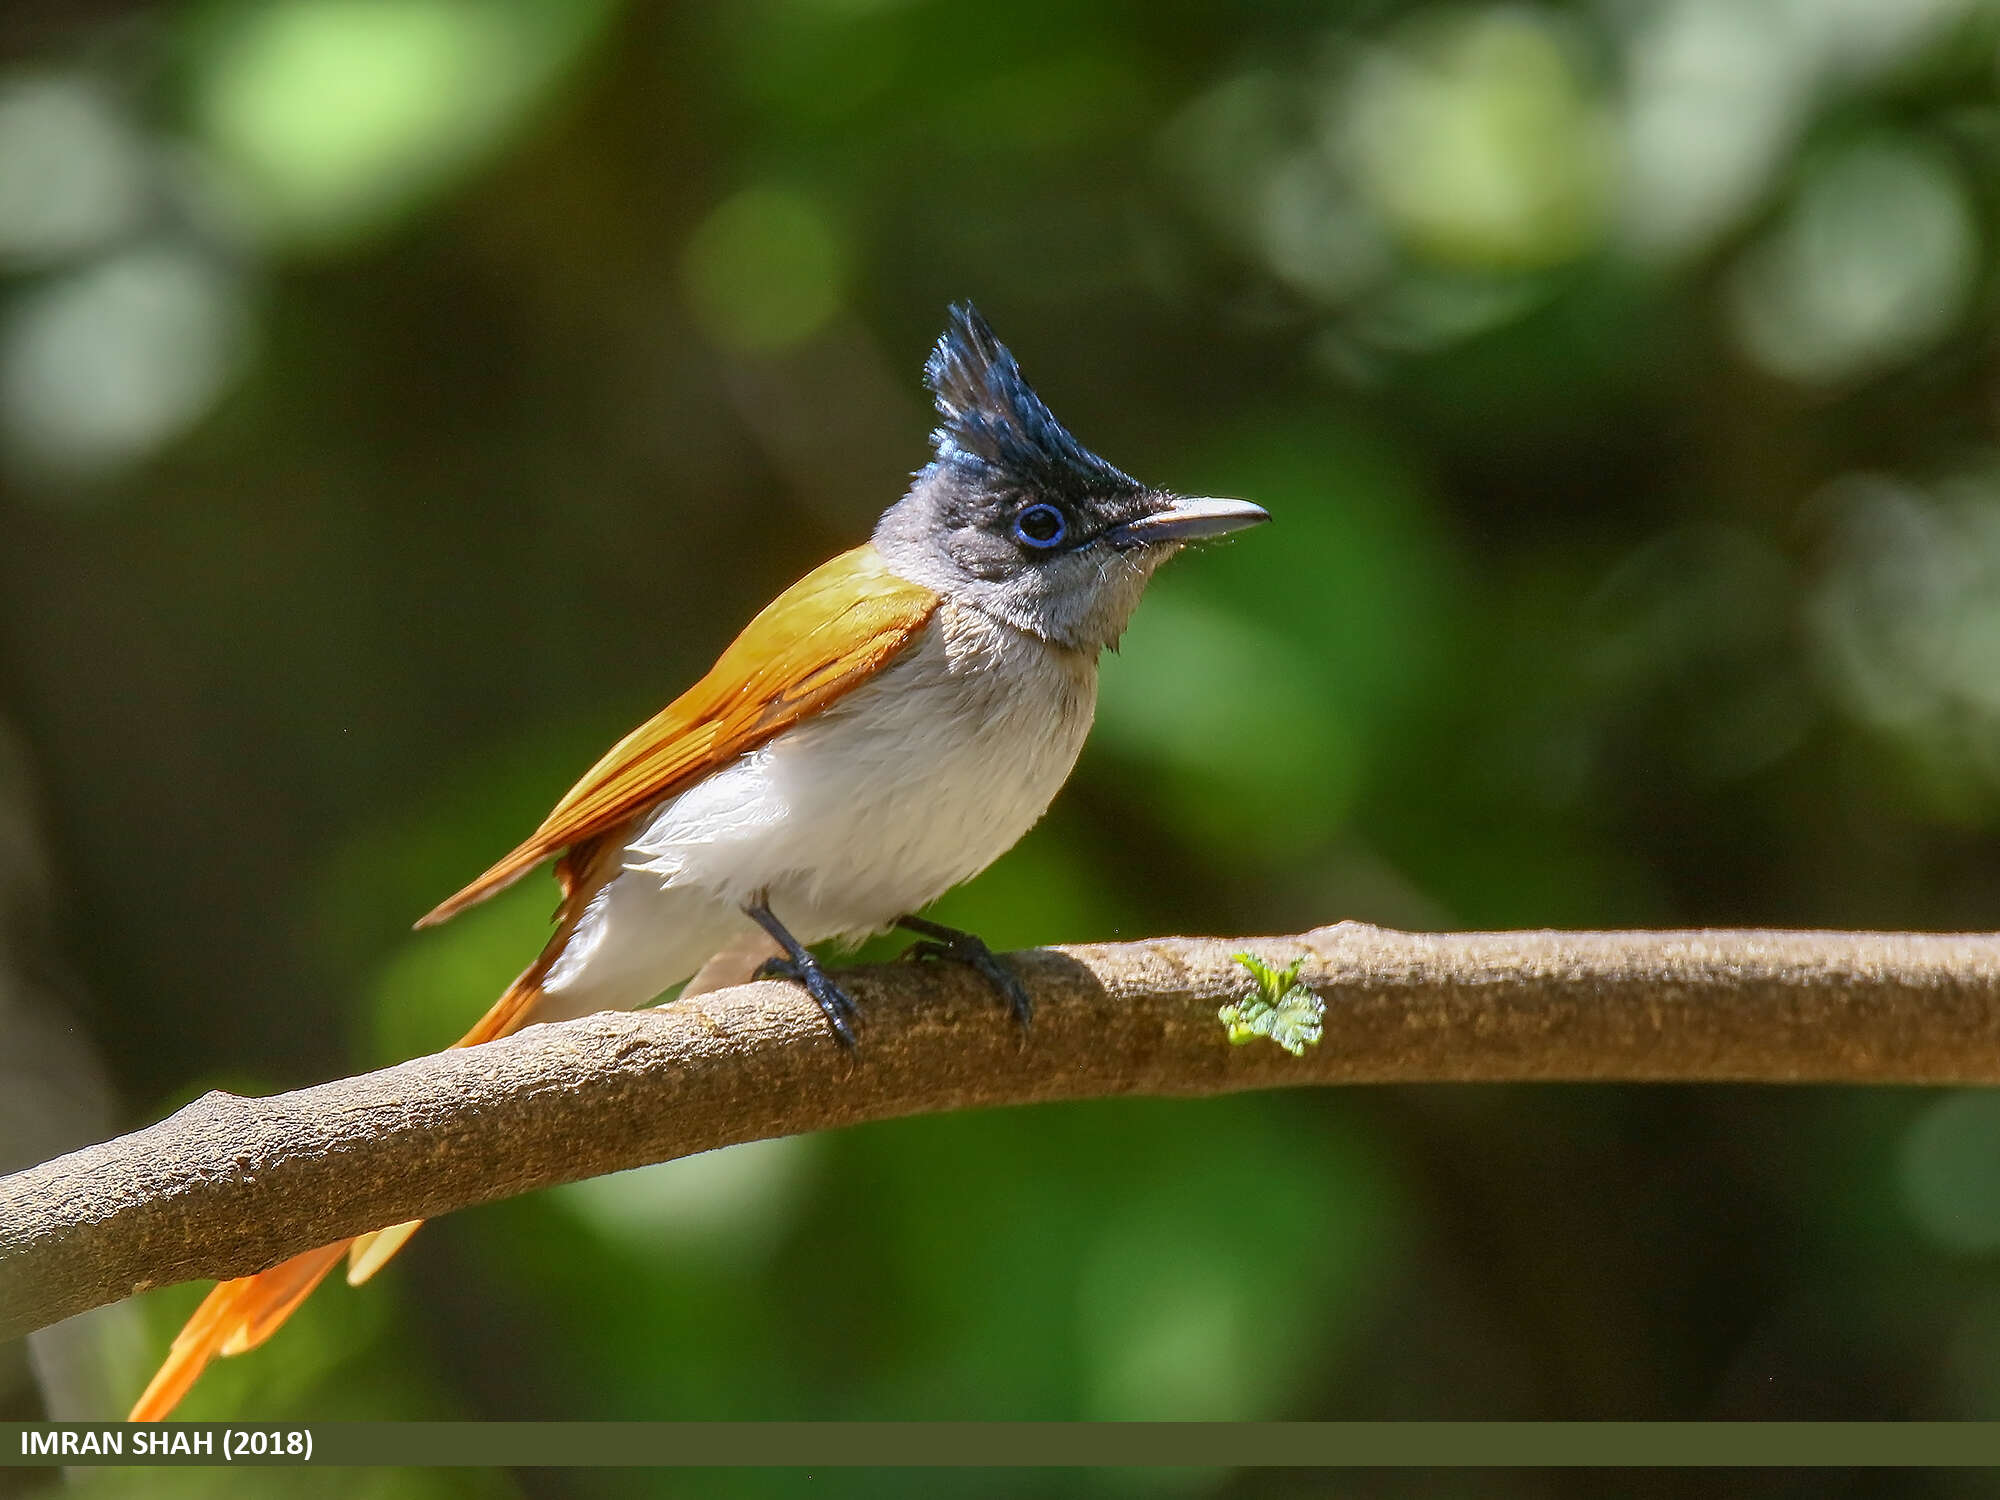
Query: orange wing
column 823, row 637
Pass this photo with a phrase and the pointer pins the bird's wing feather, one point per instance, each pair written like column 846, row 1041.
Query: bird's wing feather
column 820, row 639
column 823, row 637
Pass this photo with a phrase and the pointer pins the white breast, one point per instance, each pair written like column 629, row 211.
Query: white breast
column 909, row 785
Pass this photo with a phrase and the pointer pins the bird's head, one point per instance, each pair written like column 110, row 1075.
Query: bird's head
column 1017, row 518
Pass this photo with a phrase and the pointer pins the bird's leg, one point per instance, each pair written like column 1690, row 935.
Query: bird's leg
column 802, row 967
column 941, row 941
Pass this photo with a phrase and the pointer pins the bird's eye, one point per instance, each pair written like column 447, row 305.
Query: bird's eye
column 1040, row 526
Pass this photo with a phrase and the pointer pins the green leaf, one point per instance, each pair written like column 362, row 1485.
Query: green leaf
column 1282, row 1010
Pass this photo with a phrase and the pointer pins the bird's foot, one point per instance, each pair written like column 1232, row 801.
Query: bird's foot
column 940, row 941
column 830, row 997
column 799, row 966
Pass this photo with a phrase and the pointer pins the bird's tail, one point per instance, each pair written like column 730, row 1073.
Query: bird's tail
column 241, row 1314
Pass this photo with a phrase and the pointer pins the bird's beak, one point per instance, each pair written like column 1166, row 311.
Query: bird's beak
column 1183, row 520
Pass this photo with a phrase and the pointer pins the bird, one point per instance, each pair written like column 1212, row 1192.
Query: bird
column 883, row 731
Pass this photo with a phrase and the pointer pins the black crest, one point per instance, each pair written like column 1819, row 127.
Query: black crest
column 996, row 434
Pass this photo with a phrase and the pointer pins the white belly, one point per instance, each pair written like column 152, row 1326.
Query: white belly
column 908, row 786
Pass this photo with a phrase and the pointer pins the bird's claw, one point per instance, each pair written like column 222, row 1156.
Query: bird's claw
column 965, row 948
column 832, row 1000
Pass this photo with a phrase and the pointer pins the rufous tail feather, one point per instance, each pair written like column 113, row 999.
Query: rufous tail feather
column 370, row 1252
column 241, row 1314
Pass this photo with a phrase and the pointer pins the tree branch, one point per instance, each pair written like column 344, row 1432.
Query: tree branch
column 228, row 1186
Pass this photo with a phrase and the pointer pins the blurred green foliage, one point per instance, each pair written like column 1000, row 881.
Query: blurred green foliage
column 399, row 400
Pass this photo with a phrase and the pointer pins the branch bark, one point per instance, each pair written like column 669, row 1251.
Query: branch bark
column 54, row 1095
column 228, row 1186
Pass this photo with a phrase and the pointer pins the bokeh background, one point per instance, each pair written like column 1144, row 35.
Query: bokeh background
column 401, row 398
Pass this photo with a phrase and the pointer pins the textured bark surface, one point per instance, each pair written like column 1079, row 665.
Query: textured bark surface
column 54, row 1096
column 228, row 1186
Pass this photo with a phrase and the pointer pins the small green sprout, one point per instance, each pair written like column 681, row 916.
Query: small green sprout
column 1282, row 1010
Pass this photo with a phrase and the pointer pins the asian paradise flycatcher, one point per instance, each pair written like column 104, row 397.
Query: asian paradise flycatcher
column 886, row 729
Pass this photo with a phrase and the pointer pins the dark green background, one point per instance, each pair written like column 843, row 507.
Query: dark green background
column 400, row 400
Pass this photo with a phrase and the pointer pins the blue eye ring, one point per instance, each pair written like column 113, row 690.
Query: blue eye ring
column 1041, row 526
